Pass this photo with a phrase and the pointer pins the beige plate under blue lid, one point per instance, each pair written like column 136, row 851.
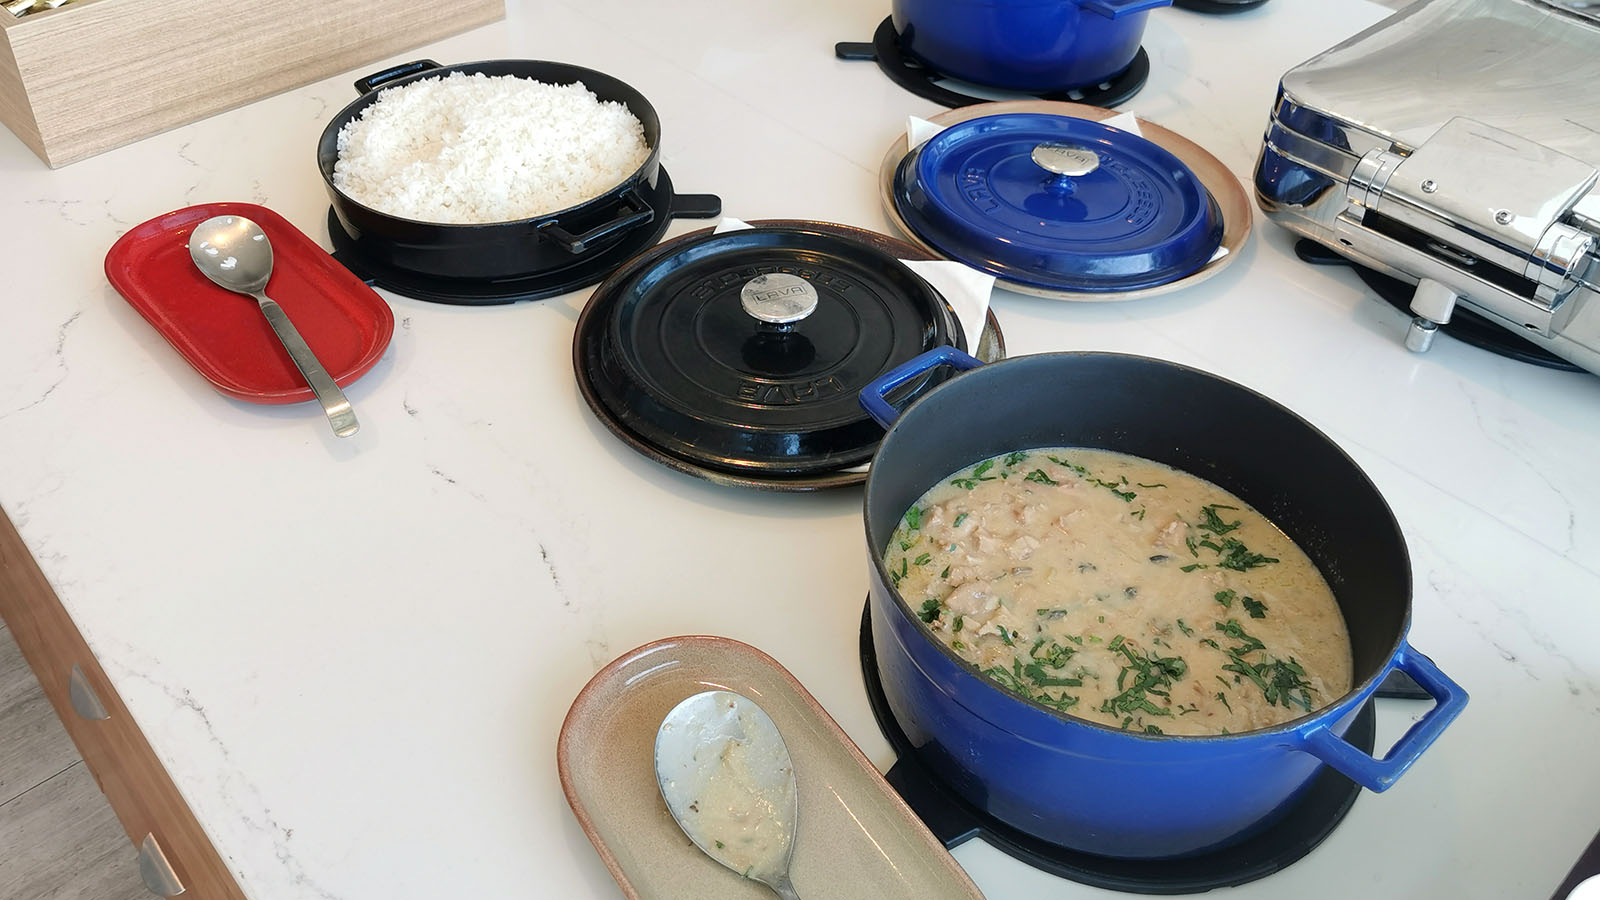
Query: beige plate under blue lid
column 856, row 837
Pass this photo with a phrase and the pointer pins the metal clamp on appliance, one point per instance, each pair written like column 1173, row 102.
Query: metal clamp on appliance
column 1479, row 213
column 1394, row 151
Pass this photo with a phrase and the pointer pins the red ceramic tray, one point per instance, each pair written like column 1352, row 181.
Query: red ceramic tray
column 223, row 334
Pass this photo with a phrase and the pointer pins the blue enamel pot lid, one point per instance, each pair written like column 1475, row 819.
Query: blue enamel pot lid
column 1059, row 203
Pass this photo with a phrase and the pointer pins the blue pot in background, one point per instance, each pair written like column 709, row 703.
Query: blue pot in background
column 1087, row 786
column 1036, row 46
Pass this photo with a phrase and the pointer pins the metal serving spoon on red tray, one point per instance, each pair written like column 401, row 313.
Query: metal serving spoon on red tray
column 234, row 252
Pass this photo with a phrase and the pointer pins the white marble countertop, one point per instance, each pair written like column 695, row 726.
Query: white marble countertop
column 354, row 656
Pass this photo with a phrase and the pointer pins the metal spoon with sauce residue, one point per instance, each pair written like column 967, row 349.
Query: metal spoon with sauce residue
column 234, row 252
column 726, row 775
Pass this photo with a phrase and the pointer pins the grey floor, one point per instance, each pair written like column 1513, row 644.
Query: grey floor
column 58, row 838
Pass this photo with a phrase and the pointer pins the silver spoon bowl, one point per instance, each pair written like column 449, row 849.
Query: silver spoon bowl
column 727, row 778
column 234, row 252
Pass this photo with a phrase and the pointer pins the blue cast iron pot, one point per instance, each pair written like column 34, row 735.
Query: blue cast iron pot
column 1087, row 786
column 1024, row 45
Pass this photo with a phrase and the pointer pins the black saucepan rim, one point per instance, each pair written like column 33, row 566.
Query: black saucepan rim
column 586, row 270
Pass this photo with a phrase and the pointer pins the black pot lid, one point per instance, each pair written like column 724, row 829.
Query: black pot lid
column 745, row 351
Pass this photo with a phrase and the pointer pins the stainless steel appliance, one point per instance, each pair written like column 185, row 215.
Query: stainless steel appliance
column 1455, row 145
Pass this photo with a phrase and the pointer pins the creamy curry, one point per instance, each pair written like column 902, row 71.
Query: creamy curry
column 1122, row 591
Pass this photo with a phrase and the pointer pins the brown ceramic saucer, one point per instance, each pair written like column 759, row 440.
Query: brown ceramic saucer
column 856, row 837
column 1237, row 215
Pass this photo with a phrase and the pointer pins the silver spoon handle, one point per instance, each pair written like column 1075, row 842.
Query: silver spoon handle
column 783, row 888
column 334, row 403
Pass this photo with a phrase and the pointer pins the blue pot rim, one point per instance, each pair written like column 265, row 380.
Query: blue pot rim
column 1141, row 219
column 1285, row 731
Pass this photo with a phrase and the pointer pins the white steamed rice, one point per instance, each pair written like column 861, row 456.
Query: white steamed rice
column 476, row 149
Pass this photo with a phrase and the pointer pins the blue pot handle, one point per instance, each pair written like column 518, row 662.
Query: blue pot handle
column 1381, row 774
column 1112, row 9
column 874, row 397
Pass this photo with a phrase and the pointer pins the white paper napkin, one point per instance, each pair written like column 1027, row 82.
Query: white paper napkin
column 1126, row 121
column 919, row 130
column 966, row 289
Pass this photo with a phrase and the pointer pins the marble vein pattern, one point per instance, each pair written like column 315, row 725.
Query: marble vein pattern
column 328, row 642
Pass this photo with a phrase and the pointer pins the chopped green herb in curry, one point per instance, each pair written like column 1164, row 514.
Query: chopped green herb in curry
column 1062, row 589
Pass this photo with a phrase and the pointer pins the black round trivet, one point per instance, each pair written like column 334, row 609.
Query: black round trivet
column 1311, row 818
column 1465, row 325
column 923, row 81
column 586, row 270
column 1218, row 6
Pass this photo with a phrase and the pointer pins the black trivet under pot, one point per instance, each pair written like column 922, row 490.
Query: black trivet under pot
column 912, row 75
column 954, row 821
column 1588, row 866
column 1464, row 325
column 584, row 271
column 1218, row 6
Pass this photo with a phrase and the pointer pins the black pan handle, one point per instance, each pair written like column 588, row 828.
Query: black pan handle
column 855, row 50
column 378, row 79
column 696, row 206
column 638, row 213
column 1316, row 254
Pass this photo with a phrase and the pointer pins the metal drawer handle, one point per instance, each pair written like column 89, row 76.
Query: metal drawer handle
column 156, row 871
column 84, row 700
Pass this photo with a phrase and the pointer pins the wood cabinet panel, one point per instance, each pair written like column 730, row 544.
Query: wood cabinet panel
column 140, row 792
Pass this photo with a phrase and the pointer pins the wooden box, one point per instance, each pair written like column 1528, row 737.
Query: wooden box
column 97, row 74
